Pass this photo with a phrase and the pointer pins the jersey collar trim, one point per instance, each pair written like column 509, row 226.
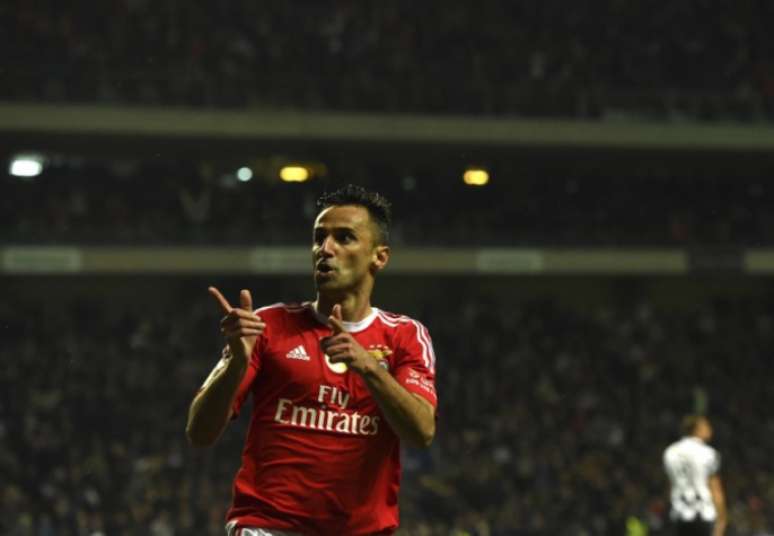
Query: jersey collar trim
column 351, row 327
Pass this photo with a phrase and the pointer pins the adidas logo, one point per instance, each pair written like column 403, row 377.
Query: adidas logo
column 299, row 352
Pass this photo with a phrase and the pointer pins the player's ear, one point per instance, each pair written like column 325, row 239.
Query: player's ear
column 381, row 256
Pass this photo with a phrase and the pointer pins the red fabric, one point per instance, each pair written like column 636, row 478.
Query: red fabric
column 319, row 457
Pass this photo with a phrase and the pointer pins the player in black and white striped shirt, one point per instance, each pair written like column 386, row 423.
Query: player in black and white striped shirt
column 697, row 499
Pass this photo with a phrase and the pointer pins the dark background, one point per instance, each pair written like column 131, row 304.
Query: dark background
column 559, row 386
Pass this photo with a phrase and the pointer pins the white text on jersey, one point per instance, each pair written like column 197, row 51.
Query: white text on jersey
column 323, row 419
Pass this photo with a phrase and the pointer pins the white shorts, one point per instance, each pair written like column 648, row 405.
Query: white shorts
column 232, row 530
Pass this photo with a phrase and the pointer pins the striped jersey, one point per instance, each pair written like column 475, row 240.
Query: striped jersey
column 689, row 463
column 319, row 457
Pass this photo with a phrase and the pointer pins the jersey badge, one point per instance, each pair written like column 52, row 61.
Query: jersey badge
column 380, row 352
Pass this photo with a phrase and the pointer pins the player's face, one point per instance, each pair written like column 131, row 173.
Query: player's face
column 704, row 429
column 344, row 248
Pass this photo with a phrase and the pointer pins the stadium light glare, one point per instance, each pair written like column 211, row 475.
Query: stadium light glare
column 476, row 177
column 244, row 174
column 28, row 165
column 294, row 173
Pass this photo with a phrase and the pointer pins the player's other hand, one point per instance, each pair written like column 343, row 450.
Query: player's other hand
column 241, row 326
column 341, row 346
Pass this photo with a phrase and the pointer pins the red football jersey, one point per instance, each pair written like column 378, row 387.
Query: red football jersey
column 319, row 457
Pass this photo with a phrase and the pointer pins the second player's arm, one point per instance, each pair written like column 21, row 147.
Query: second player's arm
column 719, row 498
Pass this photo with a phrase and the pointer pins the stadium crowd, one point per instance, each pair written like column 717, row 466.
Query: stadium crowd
column 697, row 59
column 552, row 419
column 179, row 204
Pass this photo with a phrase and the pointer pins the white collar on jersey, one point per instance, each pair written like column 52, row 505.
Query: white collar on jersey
column 351, row 327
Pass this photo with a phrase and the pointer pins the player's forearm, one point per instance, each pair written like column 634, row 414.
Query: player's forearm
column 719, row 500
column 720, row 527
column 412, row 419
column 210, row 410
column 721, row 521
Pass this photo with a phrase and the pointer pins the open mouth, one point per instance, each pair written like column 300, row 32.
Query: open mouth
column 323, row 268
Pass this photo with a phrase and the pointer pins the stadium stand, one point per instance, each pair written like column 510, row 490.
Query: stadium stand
column 178, row 203
column 557, row 394
column 698, row 60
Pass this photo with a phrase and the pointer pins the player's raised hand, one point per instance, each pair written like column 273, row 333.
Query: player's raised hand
column 341, row 346
column 335, row 321
column 240, row 325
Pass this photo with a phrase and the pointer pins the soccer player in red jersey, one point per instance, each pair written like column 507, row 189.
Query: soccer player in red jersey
column 336, row 385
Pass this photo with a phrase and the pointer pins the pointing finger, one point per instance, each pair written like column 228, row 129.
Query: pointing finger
column 335, row 322
column 246, row 300
column 221, row 300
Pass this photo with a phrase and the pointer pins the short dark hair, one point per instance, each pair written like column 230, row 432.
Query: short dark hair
column 378, row 207
column 690, row 422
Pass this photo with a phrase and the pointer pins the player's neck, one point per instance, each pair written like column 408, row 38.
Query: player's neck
column 354, row 306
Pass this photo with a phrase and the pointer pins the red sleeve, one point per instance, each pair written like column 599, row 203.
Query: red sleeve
column 415, row 362
column 253, row 367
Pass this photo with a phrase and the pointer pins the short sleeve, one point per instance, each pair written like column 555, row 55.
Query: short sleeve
column 415, row 362
column 714, row 463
